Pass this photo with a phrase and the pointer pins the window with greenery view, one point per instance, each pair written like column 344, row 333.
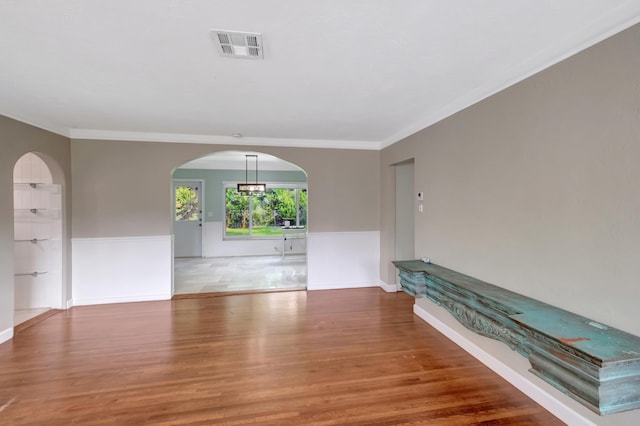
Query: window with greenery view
column 264, row 215
column 186, row 203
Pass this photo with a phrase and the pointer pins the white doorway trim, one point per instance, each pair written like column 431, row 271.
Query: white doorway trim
column 405, row 207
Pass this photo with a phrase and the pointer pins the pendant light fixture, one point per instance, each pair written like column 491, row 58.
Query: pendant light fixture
column 247, row 188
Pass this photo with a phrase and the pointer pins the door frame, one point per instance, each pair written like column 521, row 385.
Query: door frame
column 173, row 210
column 404, row 211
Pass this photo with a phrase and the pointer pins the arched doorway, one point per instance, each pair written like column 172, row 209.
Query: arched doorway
column 249, row 242
column 38, row 254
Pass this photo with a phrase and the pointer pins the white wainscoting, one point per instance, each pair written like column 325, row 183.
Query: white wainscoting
column 123, row 269
column 343, row 260
column 507, row 364
column 214, row 245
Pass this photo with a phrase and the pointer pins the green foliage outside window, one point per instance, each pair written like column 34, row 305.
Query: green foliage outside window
column 263, row 215
column 186, row 203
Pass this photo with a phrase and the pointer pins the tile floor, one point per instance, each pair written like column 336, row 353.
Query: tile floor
column 217, row 274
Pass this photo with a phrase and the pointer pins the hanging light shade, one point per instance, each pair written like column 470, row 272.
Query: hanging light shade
column 248, row 188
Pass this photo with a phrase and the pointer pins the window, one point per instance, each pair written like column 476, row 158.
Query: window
column 186, row 203
column 264, row 215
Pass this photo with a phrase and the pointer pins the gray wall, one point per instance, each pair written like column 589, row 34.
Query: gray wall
column 16, row 139
column 214, row 183
column 535, row 189
column 124, row 188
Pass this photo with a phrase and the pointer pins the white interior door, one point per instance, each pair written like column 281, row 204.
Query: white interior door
column 187, row 225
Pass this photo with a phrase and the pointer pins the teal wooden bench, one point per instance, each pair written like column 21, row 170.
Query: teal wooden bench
column 595, row 364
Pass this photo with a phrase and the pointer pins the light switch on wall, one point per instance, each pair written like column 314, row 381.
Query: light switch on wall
column 420, row 196
column 209, row 214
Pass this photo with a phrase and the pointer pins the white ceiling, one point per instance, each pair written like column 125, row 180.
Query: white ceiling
column 336, row 73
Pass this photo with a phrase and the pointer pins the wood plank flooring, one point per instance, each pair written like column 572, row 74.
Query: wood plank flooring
column 343, row 357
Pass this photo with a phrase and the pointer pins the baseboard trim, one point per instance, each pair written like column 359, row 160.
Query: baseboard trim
column 340, row 286
column 6, row 335
column 130, row 299
column 533, row 391
column 389, row 288
column 35, row 320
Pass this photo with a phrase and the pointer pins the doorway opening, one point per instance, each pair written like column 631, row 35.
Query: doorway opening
column 187, row 221
column 37, row 202
column 248, row 242
column 404, row 209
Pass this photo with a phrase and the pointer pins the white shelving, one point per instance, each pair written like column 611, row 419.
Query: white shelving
column 37, row 244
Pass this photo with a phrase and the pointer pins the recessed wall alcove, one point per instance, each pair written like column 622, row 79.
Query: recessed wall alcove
column 37, row 202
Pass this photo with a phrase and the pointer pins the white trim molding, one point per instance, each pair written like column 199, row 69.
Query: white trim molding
column 116, row 135
column 610, row 24
column 389, row 288
column 122, row 269
column 528, row 385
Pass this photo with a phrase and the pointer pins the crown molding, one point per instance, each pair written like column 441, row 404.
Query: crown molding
column 49, row 127
column 110, row 135
column 575, row 43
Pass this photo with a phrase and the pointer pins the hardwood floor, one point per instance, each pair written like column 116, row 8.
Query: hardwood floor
column 344, row 357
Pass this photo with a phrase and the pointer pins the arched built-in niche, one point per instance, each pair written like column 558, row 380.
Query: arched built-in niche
column 209, row 179
column 37, row 238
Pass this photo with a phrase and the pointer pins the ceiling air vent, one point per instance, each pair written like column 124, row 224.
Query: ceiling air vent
column 238, row 45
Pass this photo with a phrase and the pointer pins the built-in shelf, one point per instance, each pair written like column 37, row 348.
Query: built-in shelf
column 595, row 364
column 34, row 274
column 31, row 210
column 48, row 187
column 37, row 233
column 34, row 200
column 35, row 213
column 32, row 241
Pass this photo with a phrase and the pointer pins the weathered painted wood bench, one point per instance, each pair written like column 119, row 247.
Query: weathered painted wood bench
column 597, row 365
